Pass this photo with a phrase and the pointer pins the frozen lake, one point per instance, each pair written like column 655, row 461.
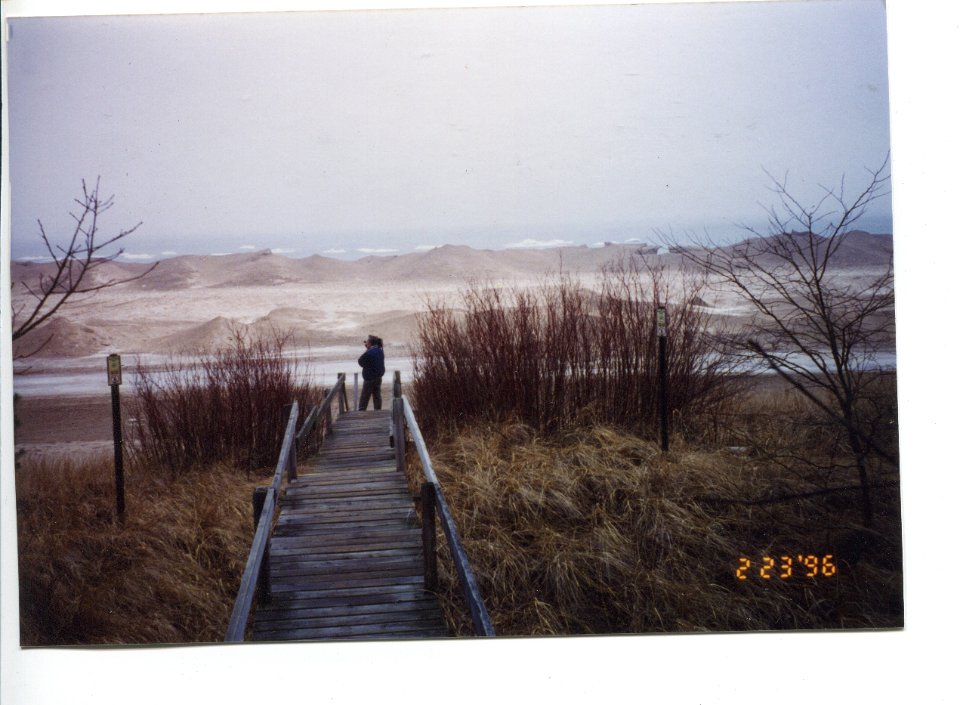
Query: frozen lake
column 87, row 376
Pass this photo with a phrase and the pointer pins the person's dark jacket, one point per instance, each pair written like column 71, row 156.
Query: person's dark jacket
column 372, row 363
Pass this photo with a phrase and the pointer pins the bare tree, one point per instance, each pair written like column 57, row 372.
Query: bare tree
column 73, row 263
column 819, row 331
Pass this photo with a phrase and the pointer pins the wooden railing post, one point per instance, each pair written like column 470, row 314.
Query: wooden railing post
column 428, row 504
column 482, row 625
column 356, row 390
column 397, row 390
column 292, row 458
column 399, row 434
column 255, row 582
column 263, row 579
column 315, row 432
column 292, row 462
column 341, row 404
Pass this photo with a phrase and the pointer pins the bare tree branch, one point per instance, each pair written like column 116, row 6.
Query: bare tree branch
column 74, row 261
column 810, row 327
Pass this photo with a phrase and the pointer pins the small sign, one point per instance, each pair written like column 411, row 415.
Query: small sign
column 661, row 322
column 114, row 375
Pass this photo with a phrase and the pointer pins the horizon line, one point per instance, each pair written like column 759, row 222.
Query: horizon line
column 358, row 253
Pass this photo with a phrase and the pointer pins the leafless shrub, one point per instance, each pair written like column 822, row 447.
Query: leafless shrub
column 562, row 355
column 226, row 406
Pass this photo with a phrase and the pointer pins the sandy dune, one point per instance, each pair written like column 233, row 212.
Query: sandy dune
column 190, row 304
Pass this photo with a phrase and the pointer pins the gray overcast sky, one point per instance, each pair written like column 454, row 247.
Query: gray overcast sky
column 351, row 132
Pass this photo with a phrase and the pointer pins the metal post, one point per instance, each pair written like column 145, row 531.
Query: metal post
column 115, row 379
column 662, row 365
column 118, row 448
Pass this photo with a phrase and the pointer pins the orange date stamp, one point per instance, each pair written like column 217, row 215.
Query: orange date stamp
column 786, row 568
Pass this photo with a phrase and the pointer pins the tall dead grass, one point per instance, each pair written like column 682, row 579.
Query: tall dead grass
column 561, row 355
column 539, row 406
column 594, row 531
column 168, row 573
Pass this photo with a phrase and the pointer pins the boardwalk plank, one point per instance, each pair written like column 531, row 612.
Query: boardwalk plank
column 424, row 606
column 347, row 555
column 286, row 604
column 378, row 620
column 411, row 629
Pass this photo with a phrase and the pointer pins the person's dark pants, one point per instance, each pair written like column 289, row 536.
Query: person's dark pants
column 371, row 387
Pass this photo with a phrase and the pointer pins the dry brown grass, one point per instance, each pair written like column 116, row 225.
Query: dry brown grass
column 167, row 574
column 595, row 531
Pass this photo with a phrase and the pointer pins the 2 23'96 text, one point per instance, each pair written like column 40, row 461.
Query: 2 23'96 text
column 785, row 567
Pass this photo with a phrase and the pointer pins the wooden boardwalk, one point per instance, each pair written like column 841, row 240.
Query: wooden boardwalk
column 346, row 557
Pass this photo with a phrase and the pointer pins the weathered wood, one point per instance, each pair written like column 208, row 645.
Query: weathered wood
column 309, row 428
column 373, row 536
column 330, row 552
column 344, row 613
column 345, row 562
column 263, row 579
column 391, row 578
column 261, row 537
column 342, row 397
column 401, row 439
column 248, row 583
column 371, row 488
column 346, row 559
column 335, row 513
column 428, row 499
column 346, row 554
column 482, row 624
column 412, row 630
column 292, row 450
column 419, row 443
column 377, row 620
column 287, row 604
column 289, row 437
column 339, row 502
column 324, row 410
column 399, row 592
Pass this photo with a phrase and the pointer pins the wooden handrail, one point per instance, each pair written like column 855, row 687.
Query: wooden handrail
column 309, row 424
column 258, row 566
column 261, row 537
column 256, row 571
column 482, row 625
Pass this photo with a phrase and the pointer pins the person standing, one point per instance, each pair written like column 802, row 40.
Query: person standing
column 373, row 367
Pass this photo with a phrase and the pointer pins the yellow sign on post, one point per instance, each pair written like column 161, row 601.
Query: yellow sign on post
column 114, row 375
